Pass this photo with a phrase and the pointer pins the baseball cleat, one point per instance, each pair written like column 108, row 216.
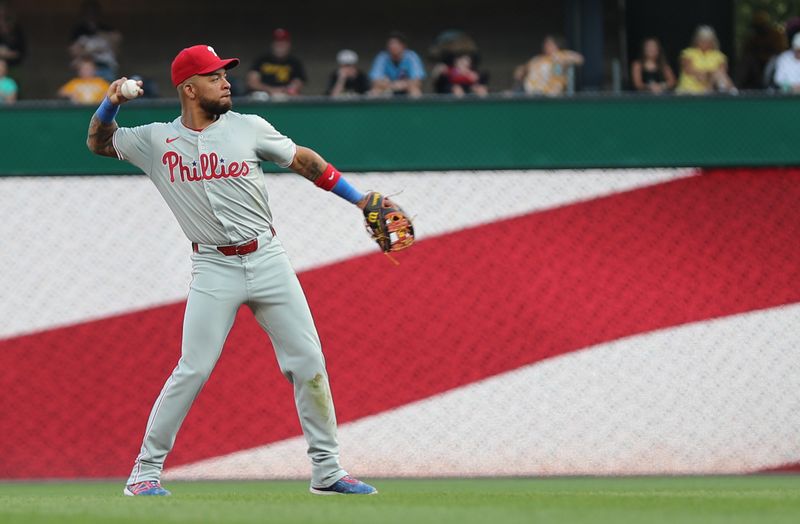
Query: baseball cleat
column 346, row 485
column 147, row 488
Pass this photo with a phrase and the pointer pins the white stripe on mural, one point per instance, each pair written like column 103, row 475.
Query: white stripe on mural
column 79, row 248
column 709, row 397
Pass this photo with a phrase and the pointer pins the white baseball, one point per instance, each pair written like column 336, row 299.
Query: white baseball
column 130, row 89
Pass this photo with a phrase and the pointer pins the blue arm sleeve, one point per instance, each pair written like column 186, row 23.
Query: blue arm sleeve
column 107, row 111
column 346, row 191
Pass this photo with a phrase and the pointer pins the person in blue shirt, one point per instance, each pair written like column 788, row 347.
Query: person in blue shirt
column 8, row 87
column 397, row 70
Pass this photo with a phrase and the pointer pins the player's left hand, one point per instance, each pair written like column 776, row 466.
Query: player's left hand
column 388, row 225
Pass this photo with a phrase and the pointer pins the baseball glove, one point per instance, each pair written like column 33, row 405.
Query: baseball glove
column 387, row 224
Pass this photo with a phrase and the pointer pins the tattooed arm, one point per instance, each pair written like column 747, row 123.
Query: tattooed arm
column 101, row 132
column 100, row 135
column 310, row 165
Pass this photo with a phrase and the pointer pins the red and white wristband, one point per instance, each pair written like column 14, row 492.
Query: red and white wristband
column 332, row 180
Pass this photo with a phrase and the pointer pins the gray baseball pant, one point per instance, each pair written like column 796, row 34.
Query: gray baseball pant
column 266, row 282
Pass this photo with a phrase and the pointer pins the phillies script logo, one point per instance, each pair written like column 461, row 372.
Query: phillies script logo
column 211, row 167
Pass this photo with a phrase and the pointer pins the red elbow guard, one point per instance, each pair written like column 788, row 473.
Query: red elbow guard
column 328, row 179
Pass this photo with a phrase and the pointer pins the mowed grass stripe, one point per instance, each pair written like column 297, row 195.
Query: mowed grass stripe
column 462, row 501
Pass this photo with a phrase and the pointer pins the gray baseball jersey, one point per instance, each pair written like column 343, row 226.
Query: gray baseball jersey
column 211, row 179
column 213, row 183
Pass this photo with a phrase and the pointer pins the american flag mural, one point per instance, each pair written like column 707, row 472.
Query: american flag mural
column 595, row 322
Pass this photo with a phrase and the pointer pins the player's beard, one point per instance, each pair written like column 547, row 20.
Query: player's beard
column 216, row 107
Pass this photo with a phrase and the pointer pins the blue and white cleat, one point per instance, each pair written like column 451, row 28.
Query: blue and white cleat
column 150, row 488
column 346, row 485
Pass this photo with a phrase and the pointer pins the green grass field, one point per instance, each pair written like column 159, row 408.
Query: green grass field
column 674, row 500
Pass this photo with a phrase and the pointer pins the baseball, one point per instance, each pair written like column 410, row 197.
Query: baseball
column 130, row 89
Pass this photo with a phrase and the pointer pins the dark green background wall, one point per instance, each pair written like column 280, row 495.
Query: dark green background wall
column 474, row 134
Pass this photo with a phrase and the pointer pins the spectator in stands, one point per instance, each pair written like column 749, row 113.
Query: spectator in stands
column 8, row 87
column 704, row 68
column 651, row 73
column 764, row 41
column 278, row 73
column 450, row 46
column 787, row 68
column 397, row 70
column 95, row 40
column 546, row 73
column 87, row 87
column 791, row 28
column 347, row 79
column 12, row 39
column 460, row 78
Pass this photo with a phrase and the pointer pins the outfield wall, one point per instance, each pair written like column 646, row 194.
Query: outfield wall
column 547, row 322
column 447, row 134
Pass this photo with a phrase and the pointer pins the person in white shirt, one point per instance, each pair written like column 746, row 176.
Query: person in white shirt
column 787, row 68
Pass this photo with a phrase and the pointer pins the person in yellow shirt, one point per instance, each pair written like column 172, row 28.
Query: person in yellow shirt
column 704, row 68
column 546, row 73
column 87, row 87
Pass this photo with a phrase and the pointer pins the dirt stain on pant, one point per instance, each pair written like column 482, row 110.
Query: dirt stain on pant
column 321, row 392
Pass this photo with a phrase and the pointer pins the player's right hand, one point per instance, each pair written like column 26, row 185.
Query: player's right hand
column 114, row 94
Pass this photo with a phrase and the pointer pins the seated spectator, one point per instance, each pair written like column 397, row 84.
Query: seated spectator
column 277, row 73
column 397, row 70
column 12, row 40
column 450, row 46
column 95, row 40
column 348, row 79
column 704, row 68
column 460, row 78
column 87, row 87
column 791, row 28
column 546, row 74
column 8, row 88
column 651, row 73
column 787, row 68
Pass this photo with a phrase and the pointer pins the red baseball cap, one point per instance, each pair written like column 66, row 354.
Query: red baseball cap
column 281, row 35
column 198, row 60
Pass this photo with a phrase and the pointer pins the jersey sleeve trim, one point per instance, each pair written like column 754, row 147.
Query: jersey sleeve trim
column 294, row 153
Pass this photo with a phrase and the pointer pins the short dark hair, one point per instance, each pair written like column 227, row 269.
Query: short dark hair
column 397, row 35
column 559, row 40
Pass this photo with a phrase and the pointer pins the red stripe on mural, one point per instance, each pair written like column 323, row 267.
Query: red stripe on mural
column 459, row 308
column 785, row 468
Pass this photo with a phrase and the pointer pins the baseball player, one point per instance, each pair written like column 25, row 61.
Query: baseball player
column 206, row 165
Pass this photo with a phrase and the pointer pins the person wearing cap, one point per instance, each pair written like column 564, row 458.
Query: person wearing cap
column 704, row 68
column 277, row 73
column 397, row 70
column 787, row 68
column 347, row 79
column 207, row 166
